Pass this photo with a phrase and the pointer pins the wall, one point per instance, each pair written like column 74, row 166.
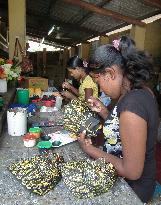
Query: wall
column 54, row 67
column 56, row 74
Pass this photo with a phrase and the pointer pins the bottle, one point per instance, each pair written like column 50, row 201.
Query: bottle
column 58, row 102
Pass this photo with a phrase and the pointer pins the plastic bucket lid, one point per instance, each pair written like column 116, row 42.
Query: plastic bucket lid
column 35, row 130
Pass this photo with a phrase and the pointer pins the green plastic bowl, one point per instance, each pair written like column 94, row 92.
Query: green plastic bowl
column 44, row 145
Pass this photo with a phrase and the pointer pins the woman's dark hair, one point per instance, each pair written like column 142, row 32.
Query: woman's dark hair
column 136, row 65
column 74, row 62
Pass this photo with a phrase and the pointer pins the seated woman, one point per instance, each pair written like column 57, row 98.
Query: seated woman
column 78, row 70
column 130, row 129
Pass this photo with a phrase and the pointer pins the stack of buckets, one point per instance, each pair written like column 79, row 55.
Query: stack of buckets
column 17, row 117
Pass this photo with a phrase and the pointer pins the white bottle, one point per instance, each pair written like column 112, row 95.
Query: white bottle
column 58, row 102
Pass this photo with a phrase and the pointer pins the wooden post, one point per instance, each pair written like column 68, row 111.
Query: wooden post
column 84, row 51
column 103, row 40
column 17, row 24
column 44, row 61
column 65, row 59
column 138, row 35
column 71, row 51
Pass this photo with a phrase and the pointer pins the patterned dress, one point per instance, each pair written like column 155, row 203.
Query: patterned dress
column 112, row 143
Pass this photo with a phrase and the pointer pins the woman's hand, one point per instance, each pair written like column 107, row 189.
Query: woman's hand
column 68, row 95
column 95, row 104
column 84, row 142
column 66, row 85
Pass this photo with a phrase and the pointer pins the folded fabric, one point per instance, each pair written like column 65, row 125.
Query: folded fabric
column 39, row 174
column 86, row 179
column 78, row 117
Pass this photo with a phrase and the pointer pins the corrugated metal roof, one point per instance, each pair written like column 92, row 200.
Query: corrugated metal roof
column 73, row 24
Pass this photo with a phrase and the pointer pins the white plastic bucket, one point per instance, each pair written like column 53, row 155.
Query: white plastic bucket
column 17, row 121
column 3, row 86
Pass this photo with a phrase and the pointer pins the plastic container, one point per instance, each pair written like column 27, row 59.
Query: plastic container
column 44, row 147
column 38, row 91
column 48, row 103
column 23, row 96
column 45, row 138
column 58, row 102
column 1, row 100
column 29, row 140
column 36, row 131
column 3, row 85
column 31, row 92
column 17, row 121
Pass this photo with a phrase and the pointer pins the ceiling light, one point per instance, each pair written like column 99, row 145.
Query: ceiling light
column 43, row 40
column 51, row 30
column 152, row 19
column 94, row 39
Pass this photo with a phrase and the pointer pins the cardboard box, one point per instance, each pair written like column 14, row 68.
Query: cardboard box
column 36, row 82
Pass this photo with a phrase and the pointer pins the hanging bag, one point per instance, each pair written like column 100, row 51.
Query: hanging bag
column 26, row 63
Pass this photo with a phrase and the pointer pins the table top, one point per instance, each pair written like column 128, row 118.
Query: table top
column 13, row 193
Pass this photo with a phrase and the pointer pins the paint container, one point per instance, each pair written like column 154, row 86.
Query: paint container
column 23, row 96
column 38, row 91
column 29, row 140
column 44, row 147
column 36, row 131
column 31, row 92
column 48, row 103
column 17, row 121
column 3, row 85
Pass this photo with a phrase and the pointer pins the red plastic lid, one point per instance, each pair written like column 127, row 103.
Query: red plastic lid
column 28, row 137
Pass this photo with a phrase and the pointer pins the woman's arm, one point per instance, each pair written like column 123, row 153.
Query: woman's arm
column 133, row 132
column 74, row 90
column 68, row 95
column 71, row 88
column 88, row 93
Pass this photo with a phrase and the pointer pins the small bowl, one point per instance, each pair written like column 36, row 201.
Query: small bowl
column 44, row 144
column 45, row 138
column 56, row 143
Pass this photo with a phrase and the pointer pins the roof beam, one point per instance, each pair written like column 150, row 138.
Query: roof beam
column 105, row 12
column 155, row 3
column 89, row 14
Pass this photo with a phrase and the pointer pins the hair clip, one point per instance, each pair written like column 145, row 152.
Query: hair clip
column 85, row 64
column 116, row 43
